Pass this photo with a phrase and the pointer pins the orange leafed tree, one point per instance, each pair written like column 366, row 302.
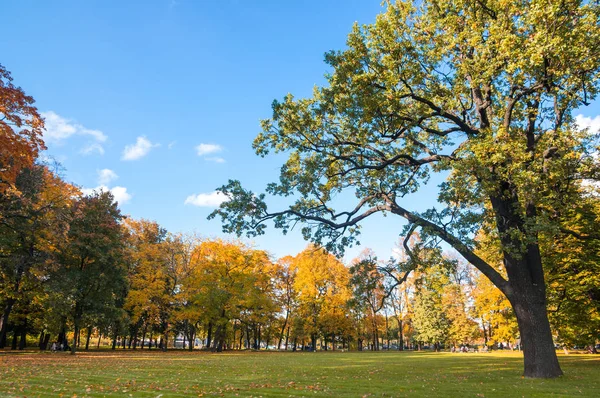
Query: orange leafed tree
column 21, row 128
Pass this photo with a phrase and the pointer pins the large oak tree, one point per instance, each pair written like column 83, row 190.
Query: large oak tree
column 482, row 90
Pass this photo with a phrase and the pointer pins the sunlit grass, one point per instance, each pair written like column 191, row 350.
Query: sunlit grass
column 271, row 374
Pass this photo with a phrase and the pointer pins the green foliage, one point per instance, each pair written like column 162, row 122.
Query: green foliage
column 32, row 223
column 572, row 262
column 89, row 274
column 429, row 319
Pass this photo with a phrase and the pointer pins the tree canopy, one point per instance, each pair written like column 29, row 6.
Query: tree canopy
column 21, row 128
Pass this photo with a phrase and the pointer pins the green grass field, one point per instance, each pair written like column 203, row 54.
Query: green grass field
column 272, row 374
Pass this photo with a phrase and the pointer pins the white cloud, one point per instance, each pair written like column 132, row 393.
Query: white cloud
column 138, row 150
column 213, row 199
column 585, row 122
column 205, row 149
column 215, row 159
column 120, row 193
column 171, row 144
column 97, row 134
column 59, row 129
column 105, row 176
column 91, row 148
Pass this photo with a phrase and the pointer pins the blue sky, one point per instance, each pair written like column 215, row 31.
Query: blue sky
column 160, row 100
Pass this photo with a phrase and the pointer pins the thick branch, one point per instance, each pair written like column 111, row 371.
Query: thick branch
column 493, row 275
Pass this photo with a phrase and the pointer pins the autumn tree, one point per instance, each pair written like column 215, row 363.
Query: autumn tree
column 179, row 251
column 90, row 269
column 230, row 281
column 369, row 290
column 32, row 223
column 483, row 91
column 151, row 285
column 286, row 295
column 572, row 264
column 457, row 304
column 21, row 128
column 323, row 292
column 495, row 314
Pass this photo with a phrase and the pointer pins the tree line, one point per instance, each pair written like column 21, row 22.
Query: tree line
column 73, row 265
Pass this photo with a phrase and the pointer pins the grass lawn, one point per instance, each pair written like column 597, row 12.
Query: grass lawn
column 271, row 374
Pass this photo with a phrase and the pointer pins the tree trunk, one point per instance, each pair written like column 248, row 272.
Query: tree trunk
column 99, row 338
column 375, row 332
column 44, row 345
column 4, row 320
column 287, row 337
column 13, row 346
column 526, row 287
column 485, row 334
column 191, row 340
column 62, row 336
column 3, row 340
column 191, row 336
column 144, row 335
column 333, row 341
column 75, row 336
column 287, row 314
column 400, row 335
column 259, row 337
column 219, row 338
column 247, row 334
column 387, row 331
column 87, row 340
column 255, row 345
column 209, row 335
column 536, row 337
column 23, row 340
column 166, row 341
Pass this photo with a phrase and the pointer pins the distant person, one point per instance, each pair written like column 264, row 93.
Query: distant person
column 53, row 347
